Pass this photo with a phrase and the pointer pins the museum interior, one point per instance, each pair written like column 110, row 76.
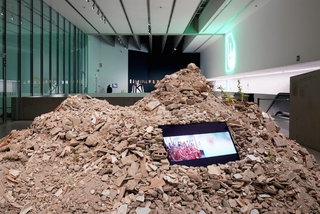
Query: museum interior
column 75, row 73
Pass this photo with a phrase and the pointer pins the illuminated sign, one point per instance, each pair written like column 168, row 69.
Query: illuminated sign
column 230, row 53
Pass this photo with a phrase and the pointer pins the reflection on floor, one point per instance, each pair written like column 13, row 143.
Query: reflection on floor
column 6, row 128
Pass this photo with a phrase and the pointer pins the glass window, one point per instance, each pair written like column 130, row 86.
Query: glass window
column 26, row 89
column 61, row 55
column 46, row 50
column 12, row 49
column 2, row 24
column 54, row 57
column 67, row 57
column 37, row 33
column 72, row 70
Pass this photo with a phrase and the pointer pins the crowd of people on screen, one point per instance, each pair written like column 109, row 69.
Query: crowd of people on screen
column 184, row 150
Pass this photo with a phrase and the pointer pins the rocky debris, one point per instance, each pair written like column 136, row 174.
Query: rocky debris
column 88, row 156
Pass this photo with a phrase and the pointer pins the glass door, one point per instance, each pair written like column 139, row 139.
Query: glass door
column 3, row 115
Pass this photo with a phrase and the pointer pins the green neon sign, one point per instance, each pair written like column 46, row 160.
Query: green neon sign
column 230, row 53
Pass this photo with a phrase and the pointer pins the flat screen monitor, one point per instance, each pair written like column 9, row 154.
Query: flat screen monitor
column 114, row 85
column 200, row 144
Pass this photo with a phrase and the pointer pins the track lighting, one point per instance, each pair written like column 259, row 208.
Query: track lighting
column 93, row 6
column 105, row 20
column 101, row 18
column 87, row 0
column 98, row 12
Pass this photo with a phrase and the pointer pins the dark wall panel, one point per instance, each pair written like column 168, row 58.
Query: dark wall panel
column 137, row 66
column 153, row 67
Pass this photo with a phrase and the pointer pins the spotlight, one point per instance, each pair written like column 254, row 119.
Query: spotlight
column 98, row 12
column 101, row 18
column 2, row 13
column 87, row 0
column 93, row 6
column 105, row 20
column 12, row 18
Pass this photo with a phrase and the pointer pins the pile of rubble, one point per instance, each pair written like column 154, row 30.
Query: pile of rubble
column 88, row 156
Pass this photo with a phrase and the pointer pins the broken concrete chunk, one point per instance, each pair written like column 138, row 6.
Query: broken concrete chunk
column 129, row 159
column 122, row 209
column 143, row 210
column 152, row 105
column 55, row 130
column 26, row 208
column 280, row 142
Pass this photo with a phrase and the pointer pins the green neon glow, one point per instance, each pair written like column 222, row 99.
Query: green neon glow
column 230, row 53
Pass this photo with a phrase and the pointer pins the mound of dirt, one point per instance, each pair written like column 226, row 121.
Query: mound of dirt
column 88, row 156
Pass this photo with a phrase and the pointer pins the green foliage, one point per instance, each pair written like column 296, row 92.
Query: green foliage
column 271, row 155
column 242, row 95
column 75, row 153
column 225, row 96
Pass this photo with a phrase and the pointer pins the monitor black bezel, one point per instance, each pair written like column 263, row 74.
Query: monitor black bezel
column 200, row 128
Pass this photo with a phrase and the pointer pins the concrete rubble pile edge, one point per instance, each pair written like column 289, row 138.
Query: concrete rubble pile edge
column 88, row 156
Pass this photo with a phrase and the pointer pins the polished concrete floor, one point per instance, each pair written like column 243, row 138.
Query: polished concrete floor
column 6, row 128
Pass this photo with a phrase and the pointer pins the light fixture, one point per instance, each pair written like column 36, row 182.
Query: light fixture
column 101, row 18
column 93, row 6
column 105, row 20
column 98, row 12
column 87, row 0
column 12, row 18
column 2, row 13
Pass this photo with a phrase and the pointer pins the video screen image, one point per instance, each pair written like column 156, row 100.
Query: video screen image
column 198, row 146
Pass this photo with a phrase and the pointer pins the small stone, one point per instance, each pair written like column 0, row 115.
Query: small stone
column 152, row 105
column 105, row 178
column 225, row 203
column 122, row 209
column 280, row 142
column 46, row 157
column 143, row 210
column 213, row 170
column 264, row 196
column 254, row 211
column 105, row 192
column 237, row 176
column 140, row 198
column 58, row 193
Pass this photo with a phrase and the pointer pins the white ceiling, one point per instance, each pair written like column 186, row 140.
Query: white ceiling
column 185, row 25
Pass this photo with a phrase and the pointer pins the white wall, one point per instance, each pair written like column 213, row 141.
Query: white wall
column 271, row 84
column 271, row 37
column 114, row 66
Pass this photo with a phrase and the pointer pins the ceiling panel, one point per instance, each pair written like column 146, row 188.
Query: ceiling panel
column 224, row 16
column 160, row 15
column 85, row 8
column 182, row 14
column 137, row 12
column 62, row 7
column 195, row 43
column 209, row 42
column 112, row 9
column 252, row 8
